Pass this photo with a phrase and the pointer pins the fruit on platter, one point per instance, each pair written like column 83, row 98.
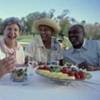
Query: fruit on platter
column 62, row 73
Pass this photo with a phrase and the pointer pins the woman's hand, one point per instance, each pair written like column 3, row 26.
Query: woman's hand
column 7, row 64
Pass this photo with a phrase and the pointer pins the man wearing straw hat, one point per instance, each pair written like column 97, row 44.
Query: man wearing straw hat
column 45, row 47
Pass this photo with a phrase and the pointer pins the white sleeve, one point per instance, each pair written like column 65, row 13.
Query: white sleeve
column 2, row 54
column 20, row 56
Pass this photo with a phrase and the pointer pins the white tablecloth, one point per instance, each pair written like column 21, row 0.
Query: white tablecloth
column 39, row 88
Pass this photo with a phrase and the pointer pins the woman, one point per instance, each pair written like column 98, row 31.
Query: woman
column 11, row 52
column 45, row 47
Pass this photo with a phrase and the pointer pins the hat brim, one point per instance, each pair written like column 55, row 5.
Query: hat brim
column 49, row 22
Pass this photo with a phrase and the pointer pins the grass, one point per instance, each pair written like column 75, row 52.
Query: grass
column 25, row 38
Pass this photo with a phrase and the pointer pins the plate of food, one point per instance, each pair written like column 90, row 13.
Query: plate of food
column 63, row 74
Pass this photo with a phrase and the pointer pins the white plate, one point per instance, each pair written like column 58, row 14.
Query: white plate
column 57, row 80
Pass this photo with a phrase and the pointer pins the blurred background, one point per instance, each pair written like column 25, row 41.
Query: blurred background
column 66, row 12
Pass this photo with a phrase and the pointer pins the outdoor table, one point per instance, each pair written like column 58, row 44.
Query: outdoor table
column 37, row 87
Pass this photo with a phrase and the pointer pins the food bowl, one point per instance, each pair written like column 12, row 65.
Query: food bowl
column 19, row 74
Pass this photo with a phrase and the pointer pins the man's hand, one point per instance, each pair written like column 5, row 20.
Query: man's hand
column 85, row 65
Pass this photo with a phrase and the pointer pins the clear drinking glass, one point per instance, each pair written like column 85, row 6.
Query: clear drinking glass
column 19, row 74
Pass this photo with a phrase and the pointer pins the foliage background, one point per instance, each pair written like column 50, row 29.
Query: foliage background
column 92, row 29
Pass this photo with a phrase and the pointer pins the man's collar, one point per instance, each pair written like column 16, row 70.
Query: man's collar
column 40, row 44
column 84, row 46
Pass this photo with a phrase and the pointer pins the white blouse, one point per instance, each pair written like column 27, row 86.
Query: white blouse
column 5, row 51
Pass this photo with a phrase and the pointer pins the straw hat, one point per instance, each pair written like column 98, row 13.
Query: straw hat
column 49, row 22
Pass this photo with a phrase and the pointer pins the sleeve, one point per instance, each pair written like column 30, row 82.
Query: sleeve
column 60, row 52
column 2, row 54
column 98, row 52
column 22, row 55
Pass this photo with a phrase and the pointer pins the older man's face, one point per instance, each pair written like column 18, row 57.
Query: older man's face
column 46, row 32
column 76, row 36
